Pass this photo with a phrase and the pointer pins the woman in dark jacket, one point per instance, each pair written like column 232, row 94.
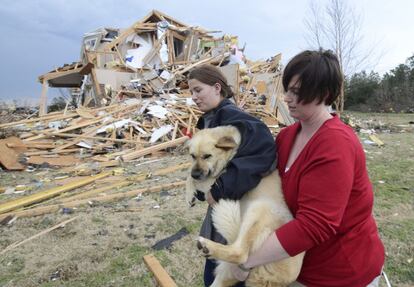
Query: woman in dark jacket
column 254, row 158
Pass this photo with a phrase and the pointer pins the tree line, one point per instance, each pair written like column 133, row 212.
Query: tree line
column 393, row 92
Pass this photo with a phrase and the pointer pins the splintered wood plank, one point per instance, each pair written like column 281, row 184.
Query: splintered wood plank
column 40, row 210
column 162, row 277
column 152, row 149
column 62, row 160
column 9, row 157
column 261, row 87
column 43, row 195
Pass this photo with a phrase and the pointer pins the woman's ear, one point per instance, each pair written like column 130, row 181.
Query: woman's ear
column 217, row 87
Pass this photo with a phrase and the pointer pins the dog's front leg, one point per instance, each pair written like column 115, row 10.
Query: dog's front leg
column 190, row 191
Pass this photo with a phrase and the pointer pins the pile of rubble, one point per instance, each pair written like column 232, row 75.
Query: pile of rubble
column 132, row 96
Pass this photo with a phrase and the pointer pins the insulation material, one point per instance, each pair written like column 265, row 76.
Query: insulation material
column 160, row 132
column 134, row 57
column 158, row 111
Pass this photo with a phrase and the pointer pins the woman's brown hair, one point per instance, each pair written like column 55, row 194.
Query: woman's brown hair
column 320, row 76
column 210, row 75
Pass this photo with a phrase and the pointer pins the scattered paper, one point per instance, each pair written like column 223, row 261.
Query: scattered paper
column 157, row 111
column 160, row 132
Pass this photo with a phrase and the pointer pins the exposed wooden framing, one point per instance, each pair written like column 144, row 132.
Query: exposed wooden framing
column 170, row 44
column 154, row 49
column 43, row 98
column 188, row 54
column 189, row 67
column 97, row 87
column 162, row 277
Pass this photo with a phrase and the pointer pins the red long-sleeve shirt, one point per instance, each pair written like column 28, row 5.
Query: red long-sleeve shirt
column 330, row 195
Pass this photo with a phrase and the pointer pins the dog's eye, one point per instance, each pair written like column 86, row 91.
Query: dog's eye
column 206, row 156
column 193, row 156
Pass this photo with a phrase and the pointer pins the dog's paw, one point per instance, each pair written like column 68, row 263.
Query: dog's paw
column 202, row 245
column 191, row 202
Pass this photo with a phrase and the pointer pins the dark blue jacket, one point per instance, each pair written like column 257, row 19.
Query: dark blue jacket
column 254, row 158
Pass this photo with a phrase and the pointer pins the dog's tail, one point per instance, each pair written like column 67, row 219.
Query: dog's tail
column 226, row 219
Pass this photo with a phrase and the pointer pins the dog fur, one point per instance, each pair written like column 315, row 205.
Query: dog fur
column 245, row 223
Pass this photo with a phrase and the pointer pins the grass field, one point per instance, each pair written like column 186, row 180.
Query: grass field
column 104, row 247
column 391, row 170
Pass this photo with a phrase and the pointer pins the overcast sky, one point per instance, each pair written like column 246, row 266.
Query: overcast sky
column 39, row 35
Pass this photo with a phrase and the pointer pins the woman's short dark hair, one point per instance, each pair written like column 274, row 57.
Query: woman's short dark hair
column 320, row 76
column 210, row 75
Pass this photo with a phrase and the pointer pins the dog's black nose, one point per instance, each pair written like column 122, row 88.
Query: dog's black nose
column 196, row 173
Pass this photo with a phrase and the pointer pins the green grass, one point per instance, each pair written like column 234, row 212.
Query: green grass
column 117, row 273
column 391, row 169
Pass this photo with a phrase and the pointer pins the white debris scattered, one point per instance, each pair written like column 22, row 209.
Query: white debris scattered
column 160, row 132
column 157, row 111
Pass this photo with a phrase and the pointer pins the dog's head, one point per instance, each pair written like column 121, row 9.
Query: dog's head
column 211, row 150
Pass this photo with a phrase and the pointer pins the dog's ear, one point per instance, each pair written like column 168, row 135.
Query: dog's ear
column 226, row 143
column 187, row 144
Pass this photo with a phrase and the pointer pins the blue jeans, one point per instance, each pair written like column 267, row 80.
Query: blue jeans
column 209, row 274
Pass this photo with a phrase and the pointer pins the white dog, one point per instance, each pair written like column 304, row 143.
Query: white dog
column 246, row 223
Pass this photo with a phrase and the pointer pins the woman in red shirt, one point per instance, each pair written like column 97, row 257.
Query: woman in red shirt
column 326, row 186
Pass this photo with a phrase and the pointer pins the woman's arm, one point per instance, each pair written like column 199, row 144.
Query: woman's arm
column 255, row 157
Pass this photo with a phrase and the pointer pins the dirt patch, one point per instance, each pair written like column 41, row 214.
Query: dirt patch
column 102, row 233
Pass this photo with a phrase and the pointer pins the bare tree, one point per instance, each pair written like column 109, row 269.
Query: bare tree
column 337, row 27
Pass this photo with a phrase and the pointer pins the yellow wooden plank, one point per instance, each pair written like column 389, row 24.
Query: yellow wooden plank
column 40, row 196
column 162, row 277
column 376, row 140
column 106, row 198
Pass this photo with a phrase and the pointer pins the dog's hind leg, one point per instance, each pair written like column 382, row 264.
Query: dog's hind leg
column 256, row 225
column 223, row 275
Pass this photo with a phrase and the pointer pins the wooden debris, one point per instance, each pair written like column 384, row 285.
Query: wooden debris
column 131, row 97
column 40, row 196
column 9, row 157
column 105, row 198
column 162, row 277
column 149, row 150
column 376, row 140
column 63, row 160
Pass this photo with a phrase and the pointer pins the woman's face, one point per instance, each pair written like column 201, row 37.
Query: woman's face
column 297, row 110
column 205, row 96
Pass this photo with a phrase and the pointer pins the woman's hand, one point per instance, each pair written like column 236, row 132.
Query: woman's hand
column 238, row 273
column 210, row 199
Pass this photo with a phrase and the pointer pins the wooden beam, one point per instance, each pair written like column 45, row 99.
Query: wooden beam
column 162, row 277
column 82, row 136
column 43, row 195
column 125, row 182
column 43, row 98
column 155, row 48
column 139, row 153
column 109, row 197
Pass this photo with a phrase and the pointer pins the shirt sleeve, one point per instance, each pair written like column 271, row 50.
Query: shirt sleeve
column 323, row 192
column 255, row 157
